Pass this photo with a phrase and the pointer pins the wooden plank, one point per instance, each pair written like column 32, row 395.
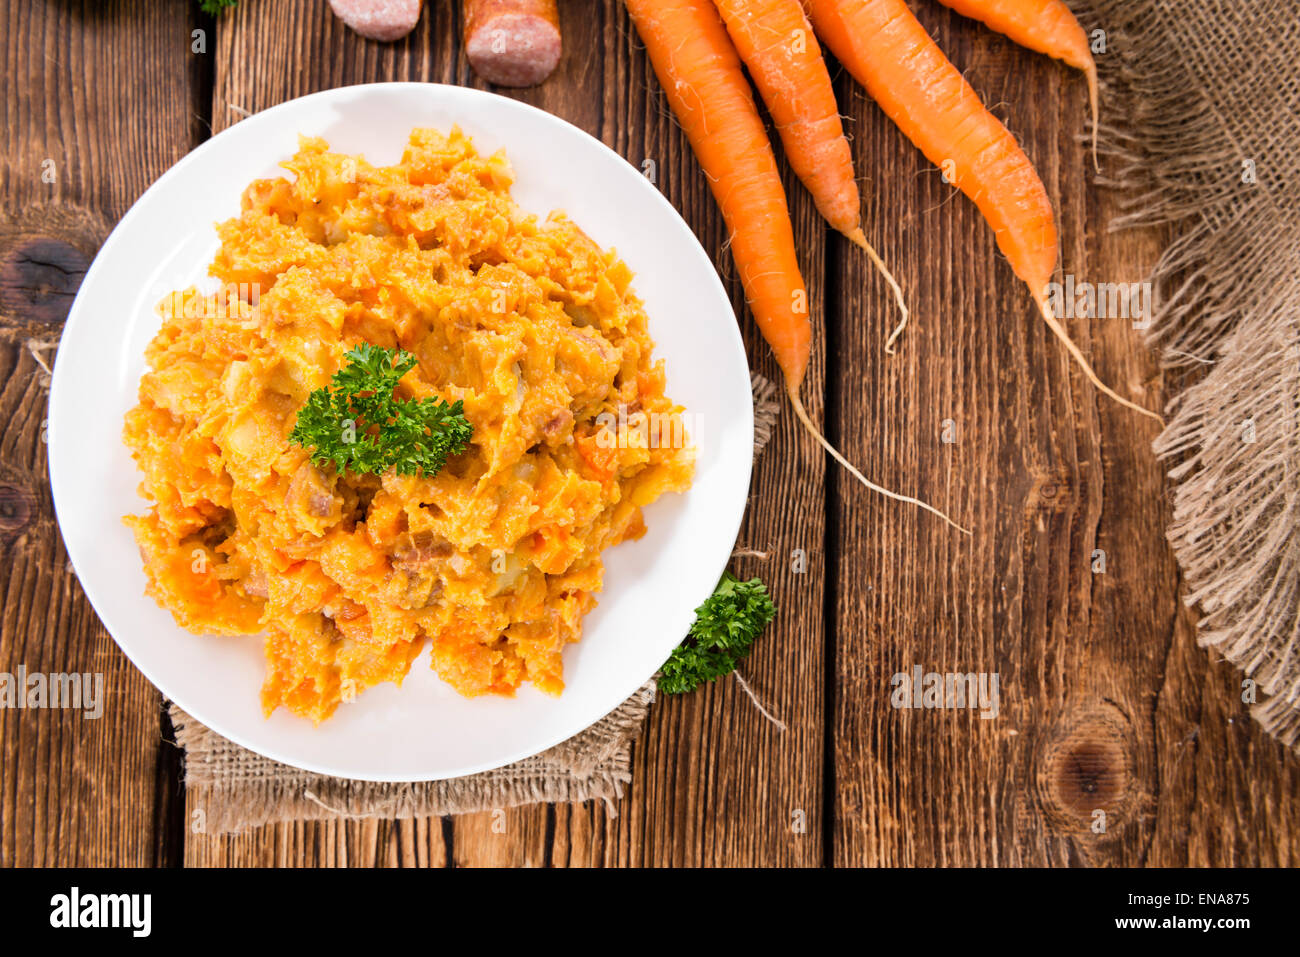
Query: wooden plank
column 98, row 101
column 1103, row 696
column 320, row 53
column 714, row 782
column 312, row 51
column 503, row 837
column 409, row 843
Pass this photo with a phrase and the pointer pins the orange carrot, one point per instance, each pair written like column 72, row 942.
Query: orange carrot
column 702, row 77
column 1045, row 26
column 889, row 52
column 777, row 44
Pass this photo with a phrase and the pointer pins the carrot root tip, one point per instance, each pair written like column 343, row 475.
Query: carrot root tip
column 1054, row 324
column 802, row 413
column 860, row 238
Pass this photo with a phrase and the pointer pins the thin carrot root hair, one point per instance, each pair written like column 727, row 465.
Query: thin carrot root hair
column 1054, row 324
column 802, row 413
column 860, row 238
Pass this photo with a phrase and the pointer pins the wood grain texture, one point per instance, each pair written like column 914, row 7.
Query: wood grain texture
column 716, row 783
column 98, row 101
column 1103, row 696
column 1105, row 701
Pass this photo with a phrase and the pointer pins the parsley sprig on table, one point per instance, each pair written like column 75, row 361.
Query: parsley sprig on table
column 725, row 627
column 357, row 424
column 214, row 7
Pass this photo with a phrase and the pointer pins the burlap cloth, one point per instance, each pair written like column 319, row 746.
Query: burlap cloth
column 237, row 789
column 1204, row 100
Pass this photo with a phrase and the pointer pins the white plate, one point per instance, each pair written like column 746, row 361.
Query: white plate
column 423, row 730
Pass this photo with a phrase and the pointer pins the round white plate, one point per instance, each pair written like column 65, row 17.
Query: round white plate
column 423, row 730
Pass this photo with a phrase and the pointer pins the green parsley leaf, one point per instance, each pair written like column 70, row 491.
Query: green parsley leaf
column 357, row 424
column 725, row 627
column 214, row 7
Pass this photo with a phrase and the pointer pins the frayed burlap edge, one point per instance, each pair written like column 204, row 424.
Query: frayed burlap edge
column 767, row 406
column 236, row 789
column 1210, row 95
column 1236, row 522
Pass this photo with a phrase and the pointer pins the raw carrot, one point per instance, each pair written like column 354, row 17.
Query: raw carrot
column 1045, row 26
column 702, row 77
column 777, row 44
column 889, row 52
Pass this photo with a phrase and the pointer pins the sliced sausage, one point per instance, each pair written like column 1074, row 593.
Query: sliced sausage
column 512, row 42
column 379, row 19
column 558, row 424
column 310, row 497
column 422, row 549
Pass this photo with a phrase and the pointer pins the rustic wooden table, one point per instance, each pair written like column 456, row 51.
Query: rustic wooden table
column 1106, row 702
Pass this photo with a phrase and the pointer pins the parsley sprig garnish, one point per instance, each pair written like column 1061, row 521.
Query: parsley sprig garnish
column 357, row 424
column 725, row 627
column 214, row 7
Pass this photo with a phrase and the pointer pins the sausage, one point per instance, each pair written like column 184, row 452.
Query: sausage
column 422, row 548
column 309, row 496
column 379, row 19
column 558, row 424
column 512, row 42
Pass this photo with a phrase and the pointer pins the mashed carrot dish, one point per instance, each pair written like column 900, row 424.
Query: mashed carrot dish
column 493, row 561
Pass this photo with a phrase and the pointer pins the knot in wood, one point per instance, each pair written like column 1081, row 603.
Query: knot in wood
column 39, row 278
column 17, row 505
column 1087, row 766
